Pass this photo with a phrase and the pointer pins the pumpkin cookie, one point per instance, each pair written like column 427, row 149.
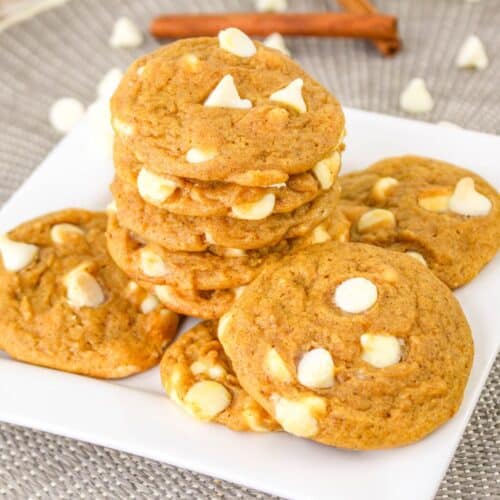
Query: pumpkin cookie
column 194, row 234
column 65, row 305
column 199, row 108
column 447, row 217
column 198, row 376
column 350, row 345
column 200, row 198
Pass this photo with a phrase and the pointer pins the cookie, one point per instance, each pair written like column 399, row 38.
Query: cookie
column 351, row 345
column 198, row 376
column 65, row 305
column 195, row 109
column 445, row 216
column 194, row 234
column 200, row 198
column 215, row 268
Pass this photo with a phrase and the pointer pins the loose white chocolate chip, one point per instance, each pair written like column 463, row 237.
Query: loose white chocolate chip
column 376, row 219
column 125, row 34
column 434, row 202
column 255, row 210
column 82, row 289
column 320, row 235
column 326, row 170
column 417, row 256
column 315, row 369
column 62, row 233
column 275, row 367
column 225, row 95
column 109, row 83
column 415, row 98
column 149, row 304
column 154, row 188
column 238, row 43
column 382, row 188
column 291, row 95
column 355, row 295
column 151, row 264
column 276, row 41
column 465, row 200
column 472, row 54
column 196, row 155
column 297, row 417
column 223, row 325
column 271, row 5
column 206, row 399
column 15, row 254
column 380, row 350
column 65, row 113
column 122, row 128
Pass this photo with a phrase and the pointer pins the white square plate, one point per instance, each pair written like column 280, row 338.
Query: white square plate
column 134, row 415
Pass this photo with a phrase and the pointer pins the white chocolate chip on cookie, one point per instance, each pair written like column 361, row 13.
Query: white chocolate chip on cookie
column 355, row 295
column 276, row 41
column 315, row 369
column 206, row 399
column 82, row 289
column 122, row 128
column 225, row 95
column 15, row 254
column 465, row 200
column 62, row 233
column 291, row 95
column 382, row 188
column 434, row 201
column 149, row 304
column 197, row 155
column 320, row 235
column 151, row 264
column 417, row 256
column 154, row 188
column 327, row 169
column 255, row 210
column 191, row 62
column 380, row 350
column 376, row 219
column 299, row 417
column 275, row 367
column 238, row 43
column 223, row 326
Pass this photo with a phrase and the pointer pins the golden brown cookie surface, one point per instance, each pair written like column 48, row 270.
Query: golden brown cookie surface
column 199, row 377
column 443, row 215
column 65, row 305
column 161, row 110
column 350, row 345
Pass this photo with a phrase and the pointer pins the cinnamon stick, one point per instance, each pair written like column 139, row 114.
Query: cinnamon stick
column 325, row 24
column 385, row 47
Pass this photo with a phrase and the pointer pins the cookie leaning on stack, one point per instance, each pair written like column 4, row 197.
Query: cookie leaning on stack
column 226, row 157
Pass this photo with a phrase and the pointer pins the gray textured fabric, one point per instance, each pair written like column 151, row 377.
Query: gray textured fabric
column 64, row 52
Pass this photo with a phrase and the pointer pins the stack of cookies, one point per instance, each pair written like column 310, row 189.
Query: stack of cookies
column 226, row 158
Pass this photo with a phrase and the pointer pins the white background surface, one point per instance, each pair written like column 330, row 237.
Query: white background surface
column 134, row 415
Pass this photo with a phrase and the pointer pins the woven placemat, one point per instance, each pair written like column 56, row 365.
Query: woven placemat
column 64, row 52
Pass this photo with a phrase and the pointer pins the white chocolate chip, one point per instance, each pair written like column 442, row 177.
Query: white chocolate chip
column 275, row 367
column 238, row 292
column 213, row 371
column 315, row 369
column 151, row 264
column 382, row 188
column 15, row 254
column 465, row 200
column 111, row 207
column 375, row 219
column 101, row 134
column 191, row 61
column 327, row 169
column 140, row 70
column 472, row 54
column 149, row 304
column 122, row 128
column 125, row 34
column 355, row 295
column 291, row 95
column 65, row 113
column 61, row 233
column 434, row 202
column 109, row 83
column 380, row 350
column 271, row 5
column 238, row 43
column 276, row 41
column 417, row 256
column 415, row 98
column 197, row 155
column 255, row 210
column 154, row 188
column 82, row 289
column 225, row 95
column 234, row 252
column 320, row 235
column 253, row 418
column 223, row 325
column 206, row 399
column 298, row 417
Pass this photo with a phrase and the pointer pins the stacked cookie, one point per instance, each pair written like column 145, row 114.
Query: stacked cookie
column 226, row 158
